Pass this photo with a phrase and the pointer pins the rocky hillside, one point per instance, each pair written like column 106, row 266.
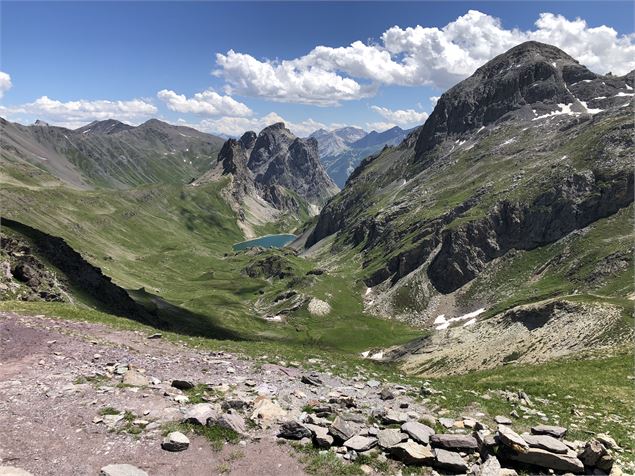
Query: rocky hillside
column 342, row 150
column 39, row 267
column 105, row 153
column 271, row 172
column 136, row 403
column 531, row 150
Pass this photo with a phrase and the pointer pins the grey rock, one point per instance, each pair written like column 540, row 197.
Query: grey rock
column 135, row 378
column 607, row 441
column 199, row 414
column 175, row 441
column 454, row 442
column 546, row 459
column 592, row 452
column 386, row 394
column 292, row 430
column 121, row 470
column 545, row 442
column 410, row 452
column 491, row 467
column 232, row 421
column 450, row 461
column 390, row 437
column 555, row 431
column 447, row 422
column 183, row 384
column 341, row 429
column 392, row 417
column 156, row 335
column 511, row 439
column 312, row 379
column 502, row 420
column 418, row 431
column 321, row 437
column 373, row 383
column 360, row 443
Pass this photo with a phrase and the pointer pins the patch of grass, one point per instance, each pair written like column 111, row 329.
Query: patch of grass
column 198, row 393
column 96, row 379
column 324, row 463
column 216, row 435
column 109, row 411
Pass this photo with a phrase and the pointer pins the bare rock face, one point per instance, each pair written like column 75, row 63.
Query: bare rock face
column 530, row 76
column 276, row 166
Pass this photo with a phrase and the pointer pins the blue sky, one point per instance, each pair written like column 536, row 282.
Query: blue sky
column 71, row 62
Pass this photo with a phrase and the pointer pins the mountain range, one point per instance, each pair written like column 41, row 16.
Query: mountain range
column 341, row 150
column 488, row 250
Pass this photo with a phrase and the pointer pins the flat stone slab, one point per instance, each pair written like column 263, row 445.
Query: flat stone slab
column 418, row 431
column 390, row 437
column 13, row 471
column 360, row 443
column 410, row 452
column 555, row 431
column 121, row 470
column 546, row 459
column 454, row 442
column 545, row 442
column 342, row 429
column 511, row 439
column 321, row 437
column 502, row 420
column 449, row 460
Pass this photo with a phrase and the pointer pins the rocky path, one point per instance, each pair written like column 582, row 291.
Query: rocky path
column 82, row 398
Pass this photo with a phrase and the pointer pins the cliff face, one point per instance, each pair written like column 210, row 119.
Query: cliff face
column 529, row 149
column 276, row 166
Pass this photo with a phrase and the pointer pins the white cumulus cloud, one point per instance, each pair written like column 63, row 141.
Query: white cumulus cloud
column 406, row 117
column 76, row 113
column 5, row 83
column 207, row 103
column 236, row 126
column 287, row 81
column 417, row 56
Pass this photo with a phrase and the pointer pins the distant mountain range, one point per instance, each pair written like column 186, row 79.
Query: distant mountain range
column 341, row 150
column 107, row 153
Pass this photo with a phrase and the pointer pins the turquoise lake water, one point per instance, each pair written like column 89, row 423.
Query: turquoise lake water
column 269, row 241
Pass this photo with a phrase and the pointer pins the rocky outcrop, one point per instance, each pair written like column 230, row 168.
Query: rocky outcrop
column 571, row 204
column 51, row 270
column 530, row 77
column 276, row 166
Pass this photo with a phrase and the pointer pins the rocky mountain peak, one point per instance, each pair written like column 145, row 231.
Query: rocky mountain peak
column 248, row 139
column 108, row 126
column 41, row 123
column 529, row 79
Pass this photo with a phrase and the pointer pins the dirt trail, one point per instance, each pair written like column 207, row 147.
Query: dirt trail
column 46, row 416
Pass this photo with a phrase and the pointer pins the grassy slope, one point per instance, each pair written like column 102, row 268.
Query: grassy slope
column 175, row 243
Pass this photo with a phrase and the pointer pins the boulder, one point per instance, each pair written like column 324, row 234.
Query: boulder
column 511, row 439
column 592, row 452
column 418, row 431
column 450, row 461
column 546, row 459
column 121, row 470
column 491, row 467
column 175, row 441
column 447, row 422
column 386, row 394
column 341, row 429
column 231, row 420
column 360, row 443
column 545, row 442
column 390, row 437
column 267, row 411
column 199, row 414
column 321, row 437
column 410, row 452
column 392, row 417
column 312, row 379
column 292, row 430
column 135, row 378
column 555, row 431
column 454, row 442
column 607, row 441
column 183, row 384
